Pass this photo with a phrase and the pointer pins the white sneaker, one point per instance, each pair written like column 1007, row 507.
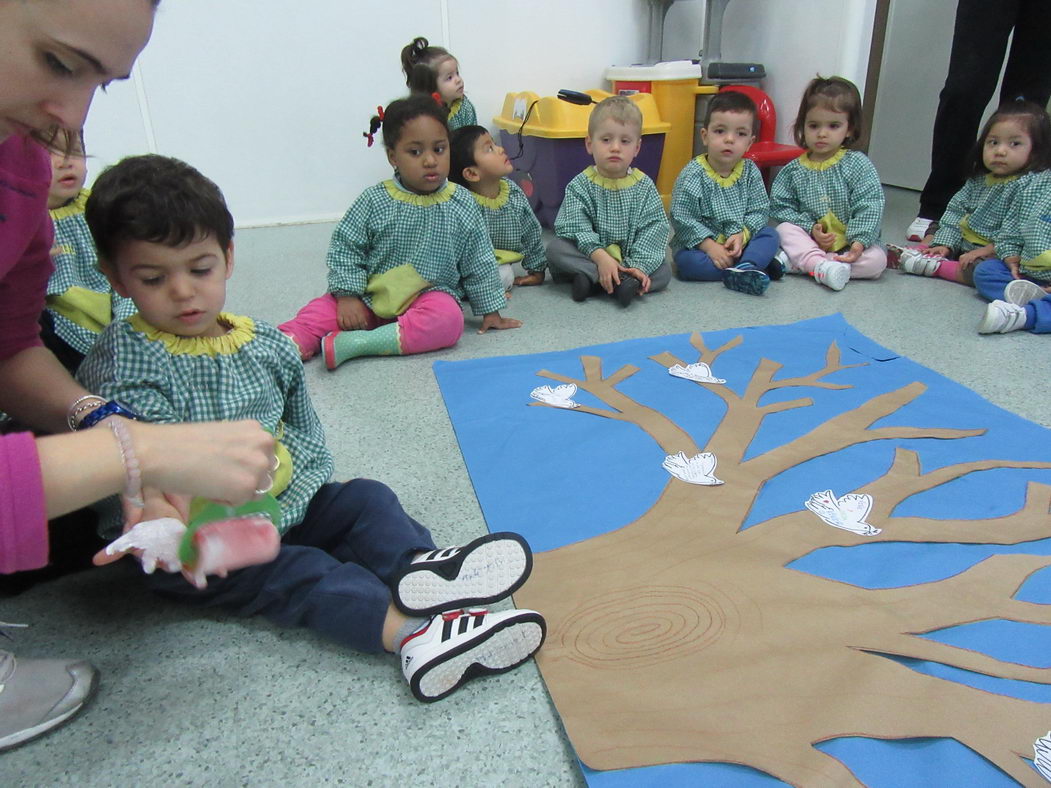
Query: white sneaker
column 489, row 569
column 832, row 273
column 786, row 264
column 1001, row 317
column 1021, row 291
column 917, row 261
column 460, row 645
column 918, row 229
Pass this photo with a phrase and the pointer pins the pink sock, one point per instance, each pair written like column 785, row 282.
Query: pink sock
column 949, row 270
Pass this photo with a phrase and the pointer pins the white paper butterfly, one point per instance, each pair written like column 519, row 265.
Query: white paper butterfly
column 847, row 512
column 1042, row 753
column 698, row 469
column 559, row 396
column 699, row 372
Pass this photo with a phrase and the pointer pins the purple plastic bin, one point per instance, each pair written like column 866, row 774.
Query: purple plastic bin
column 547, row 165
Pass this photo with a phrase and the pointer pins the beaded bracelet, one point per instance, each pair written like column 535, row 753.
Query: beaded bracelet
column 132, row 473
column 81, row 404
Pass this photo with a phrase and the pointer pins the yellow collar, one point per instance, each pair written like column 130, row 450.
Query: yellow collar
column 242, row 331
column 629, row 180
column 455, row 107
column 997, row 180
column 444, row 194
column 819, row 166
column 497, row 202
column 724, row 181
column 73, row 207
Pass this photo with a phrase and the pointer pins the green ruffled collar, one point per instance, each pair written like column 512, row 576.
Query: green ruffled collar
column 73, row 207
column 997, row 180
column 819, row 166
column 497, row 202
column 727, row 181
column 629, row 180
column 399, row 192
column 241, row 332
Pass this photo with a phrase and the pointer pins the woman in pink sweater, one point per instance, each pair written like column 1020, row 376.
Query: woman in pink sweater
column 54, row 54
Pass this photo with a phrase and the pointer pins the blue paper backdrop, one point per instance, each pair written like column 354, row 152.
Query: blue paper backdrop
column 560, row 477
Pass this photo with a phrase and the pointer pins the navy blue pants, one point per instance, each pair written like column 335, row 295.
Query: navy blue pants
column 992, row 276
column 332, row 573
column 696, row 266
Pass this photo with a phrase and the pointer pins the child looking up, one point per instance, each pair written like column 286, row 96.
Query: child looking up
column 479, row 164
column 719, row 205
column 432, row 70
column 611, row 227
column 404, row 255
column 1016, row 140
column 829, row 202
column 80, row 301
column 1017, row 282
column 352, row 564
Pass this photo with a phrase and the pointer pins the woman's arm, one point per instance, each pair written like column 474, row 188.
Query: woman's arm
column 37, row 390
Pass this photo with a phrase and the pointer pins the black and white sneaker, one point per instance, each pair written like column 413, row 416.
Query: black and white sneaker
column 489, row 569
column 461, row 645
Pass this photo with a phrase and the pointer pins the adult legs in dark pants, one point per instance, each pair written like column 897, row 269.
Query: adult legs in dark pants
column 979, row 42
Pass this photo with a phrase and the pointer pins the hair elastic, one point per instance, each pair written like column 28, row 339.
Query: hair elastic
column 374, row 126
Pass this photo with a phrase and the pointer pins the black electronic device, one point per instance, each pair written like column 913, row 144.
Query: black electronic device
column 732, row 71
column 575, row 97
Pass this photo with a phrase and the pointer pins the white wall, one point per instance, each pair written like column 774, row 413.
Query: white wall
column 269, row 98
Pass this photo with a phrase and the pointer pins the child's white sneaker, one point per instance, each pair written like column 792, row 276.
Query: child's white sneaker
column 1001, row 317
column 832, row 273
column 918, row 229
column 460, row 645
column 1021, row 291
column 918, row 262
column 786, row 264
column 486, row 570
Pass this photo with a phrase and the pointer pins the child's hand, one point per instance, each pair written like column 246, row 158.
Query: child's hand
column 636, row 273
column 1012, row 266
column 352, row 314
column 823, row 239
column 532, row 278
column 975, row 255
column 608, row 269
column 735, row 245
column 717, row 253
column 493, row 320
column 852, row 254
column 940, row 251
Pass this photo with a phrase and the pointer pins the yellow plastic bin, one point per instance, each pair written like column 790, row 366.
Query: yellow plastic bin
column 548, row 148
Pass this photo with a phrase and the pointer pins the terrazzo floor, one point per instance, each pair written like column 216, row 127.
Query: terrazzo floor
column 192, row 698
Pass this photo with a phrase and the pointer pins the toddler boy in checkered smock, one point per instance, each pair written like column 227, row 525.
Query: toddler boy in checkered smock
column 80, row 301
column 611, row 227
column 352, row 564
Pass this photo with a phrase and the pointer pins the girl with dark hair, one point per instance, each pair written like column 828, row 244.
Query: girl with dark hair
column 433, row 70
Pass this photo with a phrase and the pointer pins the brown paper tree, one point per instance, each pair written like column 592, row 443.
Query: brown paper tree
column 681, row 637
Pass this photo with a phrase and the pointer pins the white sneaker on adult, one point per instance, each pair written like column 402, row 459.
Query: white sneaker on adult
column 37, row 695
column 1001, row 317
column 918, row 229
column 1021, row 291
column 918, row 262
column 460, row 645
column 832, row 273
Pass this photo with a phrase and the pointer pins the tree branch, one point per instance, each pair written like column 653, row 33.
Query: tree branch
column 931, row 650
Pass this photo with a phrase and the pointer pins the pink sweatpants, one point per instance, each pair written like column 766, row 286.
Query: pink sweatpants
column 435, row 320
column 805, row 254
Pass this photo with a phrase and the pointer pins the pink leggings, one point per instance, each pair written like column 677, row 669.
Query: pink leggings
column 805, row 254
column 435, row 320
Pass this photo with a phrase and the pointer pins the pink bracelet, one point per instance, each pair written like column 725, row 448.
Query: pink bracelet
column 132, row 473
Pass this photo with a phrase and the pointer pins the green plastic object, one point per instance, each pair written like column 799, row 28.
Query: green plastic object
column 203, row 511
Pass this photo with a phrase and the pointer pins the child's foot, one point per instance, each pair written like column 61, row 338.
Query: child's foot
column 460, row 645
column 626, row 290
column 581, row 287
column 1021, row 291
column 777, row 268
column 786, row 264
column 918, row 262
column 894, row 252
column 918, row 229
column 832, row 273
column 489, row 569
column 746, row 280
column 1001, row 317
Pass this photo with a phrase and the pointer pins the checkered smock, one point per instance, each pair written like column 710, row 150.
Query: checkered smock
column 252, row 372
column 846, row 185
column 79, row 297
column 1027, row 231
column 706, row 205
column 512, row 224
column 975, row 214
column 442, row 235
column 461, row 113
column 628, row 211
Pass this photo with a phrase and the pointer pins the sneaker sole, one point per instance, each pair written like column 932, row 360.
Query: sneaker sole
column 489, row 569
column 1021, row 292
column 752, row 282
column 500, row 649
column 24, row 736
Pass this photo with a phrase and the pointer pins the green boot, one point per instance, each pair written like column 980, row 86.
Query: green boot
column 339, row 346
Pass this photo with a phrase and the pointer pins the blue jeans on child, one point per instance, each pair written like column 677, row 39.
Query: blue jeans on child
column 992, row 276
column 696, row 266
column 333, row 570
